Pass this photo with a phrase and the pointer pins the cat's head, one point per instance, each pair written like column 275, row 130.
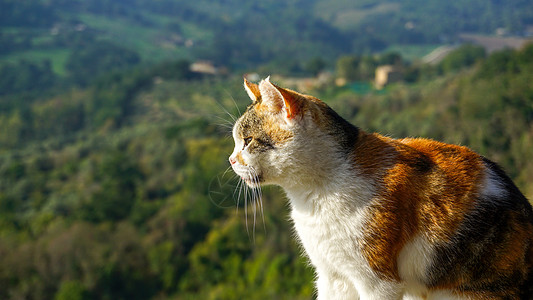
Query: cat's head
column 284, row 136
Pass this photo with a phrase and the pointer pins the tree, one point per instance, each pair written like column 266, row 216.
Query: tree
column 348, row 67
column 462, row 57
column 26, row 76
column 86, row 63
column 315, row 65
column 71, row 290
column 118, row 176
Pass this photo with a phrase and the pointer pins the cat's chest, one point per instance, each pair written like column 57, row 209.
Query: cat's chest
column 331, row 240
column 330, row 223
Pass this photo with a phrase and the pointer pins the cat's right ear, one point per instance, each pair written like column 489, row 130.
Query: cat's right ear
column 253, row 91
column 280, row 100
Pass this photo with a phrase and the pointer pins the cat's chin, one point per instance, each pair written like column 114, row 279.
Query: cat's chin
column 252, row 185
column 253, row 182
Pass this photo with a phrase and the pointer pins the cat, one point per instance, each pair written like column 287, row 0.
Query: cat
column 383, row 218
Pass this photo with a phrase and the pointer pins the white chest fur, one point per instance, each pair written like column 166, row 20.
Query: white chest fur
column 331, row 242
column 330, row 226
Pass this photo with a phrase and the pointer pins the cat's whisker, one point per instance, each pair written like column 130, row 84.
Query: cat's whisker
column 258, row 194
column 225, row 126
column 216, row 187
column 234, row 102
column 236, row 183
column 250, row 189
column 246, row 207
column 242, row 189
column 233, row 117
column 227, row 170
column 252, row 201
column 254, row 207
column 226, row 123
column 238, row 189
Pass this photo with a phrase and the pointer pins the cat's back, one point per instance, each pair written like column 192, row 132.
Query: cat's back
column 472, row 223
column 458, row 174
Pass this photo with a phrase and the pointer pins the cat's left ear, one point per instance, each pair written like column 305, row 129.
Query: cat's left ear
column 252, row 90
column 278, row 99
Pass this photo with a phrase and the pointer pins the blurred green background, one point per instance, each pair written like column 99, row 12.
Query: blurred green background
column 115, row 122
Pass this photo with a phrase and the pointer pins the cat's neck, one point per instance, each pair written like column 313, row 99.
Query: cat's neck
column 339, row 180
column 311, row 200
column 326, row 189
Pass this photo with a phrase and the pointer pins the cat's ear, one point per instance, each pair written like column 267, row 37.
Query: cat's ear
column 278, row 99
column 253, row 90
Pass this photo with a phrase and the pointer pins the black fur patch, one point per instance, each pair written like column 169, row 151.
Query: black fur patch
column 347, row 132
column 481, row 239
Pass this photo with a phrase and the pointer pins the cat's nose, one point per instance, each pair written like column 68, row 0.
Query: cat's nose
column 232, row 160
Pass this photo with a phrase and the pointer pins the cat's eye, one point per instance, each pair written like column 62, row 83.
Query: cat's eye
column 247, row 141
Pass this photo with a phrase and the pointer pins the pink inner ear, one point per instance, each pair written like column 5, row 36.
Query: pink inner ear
column 292, row 103
column 271, row 97
column 276, row 99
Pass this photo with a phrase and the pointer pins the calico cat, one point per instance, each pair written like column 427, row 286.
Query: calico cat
column 384, row 218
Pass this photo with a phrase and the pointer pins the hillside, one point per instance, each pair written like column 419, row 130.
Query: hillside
column 67, row 35
column 120, row 190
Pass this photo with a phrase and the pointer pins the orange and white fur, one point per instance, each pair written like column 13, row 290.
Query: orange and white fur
column 384, row 218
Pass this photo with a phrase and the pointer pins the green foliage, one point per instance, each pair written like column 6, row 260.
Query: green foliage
column 507, row 62
column 93, row 59
column 71, row 290
column 315, row 65
column 25, row 76
column 85, row 37
column 463, row 57
column 118, row 178
column 26, row 13
column 358, row 68
column 347, row 67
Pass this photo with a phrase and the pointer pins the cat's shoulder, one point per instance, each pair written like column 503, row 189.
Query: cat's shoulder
column 421, row 153
column 434, row 147
column 443, row 154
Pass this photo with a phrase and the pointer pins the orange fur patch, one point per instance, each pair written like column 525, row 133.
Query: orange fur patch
column 293, row 102
column 427, row 186
column 254, row 89
column 240, row 160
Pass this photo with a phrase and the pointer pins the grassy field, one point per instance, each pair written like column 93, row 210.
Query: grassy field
column 412, row 52
column 346, row 14
column 153, row 41
column 142, row 39
column 57, row 57
column 350, row 18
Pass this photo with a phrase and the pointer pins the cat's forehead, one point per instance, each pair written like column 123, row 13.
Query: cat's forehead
column 257, row 123
column 249, row 121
